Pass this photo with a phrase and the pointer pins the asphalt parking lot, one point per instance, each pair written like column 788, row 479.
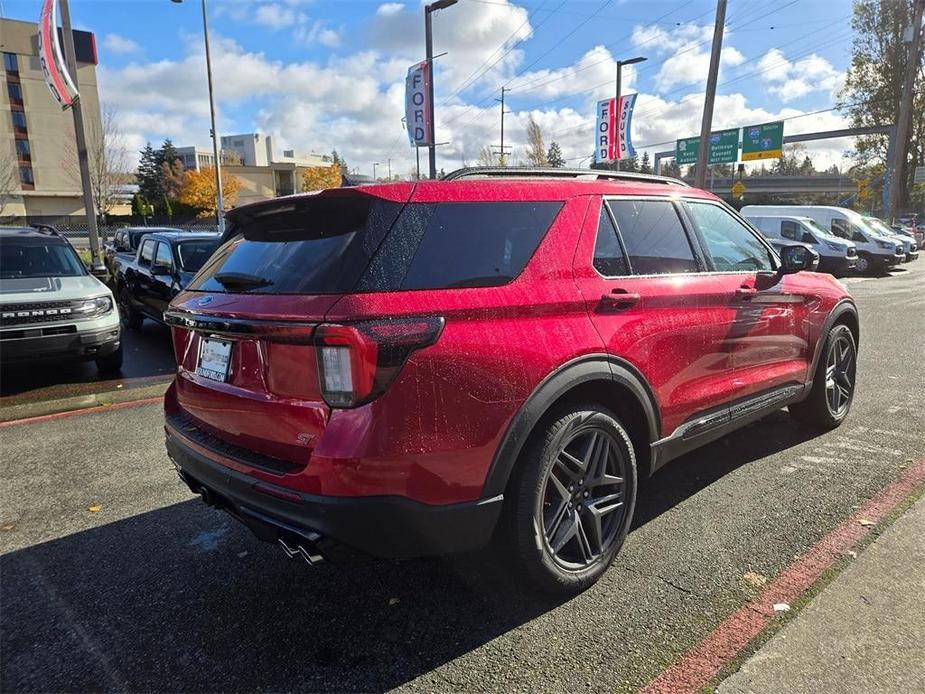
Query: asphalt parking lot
column 155, row 591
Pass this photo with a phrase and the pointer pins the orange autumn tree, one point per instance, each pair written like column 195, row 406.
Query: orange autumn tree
column 198, row 190
column 321, row 177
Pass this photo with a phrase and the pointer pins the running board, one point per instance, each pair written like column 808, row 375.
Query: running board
column 710, row 426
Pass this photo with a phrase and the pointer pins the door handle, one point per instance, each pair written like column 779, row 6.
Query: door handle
column 746, row 293
column 619, row 299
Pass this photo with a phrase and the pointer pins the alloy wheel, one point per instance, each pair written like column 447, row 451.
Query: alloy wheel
column 584, row 499
column 839, row 375
column 862, row 265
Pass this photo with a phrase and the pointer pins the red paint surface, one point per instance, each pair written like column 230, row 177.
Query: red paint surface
column 75, row 413
column 706, row 660
column 433, row 434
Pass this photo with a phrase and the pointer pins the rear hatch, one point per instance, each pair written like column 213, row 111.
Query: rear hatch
column 247, row 369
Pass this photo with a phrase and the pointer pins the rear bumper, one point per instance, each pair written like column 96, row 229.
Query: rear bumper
column 29, row 344
column 387, row 527
column 837, row 266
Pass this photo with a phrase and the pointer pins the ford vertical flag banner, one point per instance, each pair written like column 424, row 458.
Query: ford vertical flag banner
column 52, row 59
column 613, row 135
column 417, row 108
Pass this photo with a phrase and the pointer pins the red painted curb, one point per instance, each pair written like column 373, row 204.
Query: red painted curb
column 692, row 671
column 75, row 413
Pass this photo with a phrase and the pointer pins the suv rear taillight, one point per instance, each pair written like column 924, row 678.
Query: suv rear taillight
column 358, row 361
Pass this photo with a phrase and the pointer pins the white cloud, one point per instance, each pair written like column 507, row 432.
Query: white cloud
column 791, row 80
column 317, row 32
column 274, row 16
column 389, row 8
column 120, row 44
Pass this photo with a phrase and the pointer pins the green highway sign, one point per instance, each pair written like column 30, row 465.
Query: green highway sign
column 686, row 150
column 765, row 141
column 724, row 148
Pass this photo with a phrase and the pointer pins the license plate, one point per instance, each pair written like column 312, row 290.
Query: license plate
column 214, row 357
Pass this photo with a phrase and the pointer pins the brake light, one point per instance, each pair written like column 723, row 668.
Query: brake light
column 357, row 362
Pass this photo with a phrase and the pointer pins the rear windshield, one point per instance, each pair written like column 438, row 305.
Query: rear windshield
column 354, row 243
column 194, row 254
column 32, row 257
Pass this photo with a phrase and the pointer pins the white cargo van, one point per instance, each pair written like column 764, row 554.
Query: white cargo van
column 836, row 256
column 875, row 252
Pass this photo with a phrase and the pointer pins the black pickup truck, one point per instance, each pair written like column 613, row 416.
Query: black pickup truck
column 124, row 245
column 163, row 265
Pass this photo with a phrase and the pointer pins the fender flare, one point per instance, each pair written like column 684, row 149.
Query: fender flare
column 592, row 367
column 842, row 308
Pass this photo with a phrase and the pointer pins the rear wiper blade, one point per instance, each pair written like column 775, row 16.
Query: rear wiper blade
column 241, row 280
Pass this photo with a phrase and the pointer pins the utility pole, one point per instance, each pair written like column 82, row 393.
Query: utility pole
column 501, row 152
column 83, row 159
column 429, row 48
column 390, row 168
column 901, row 145
column 703, row 148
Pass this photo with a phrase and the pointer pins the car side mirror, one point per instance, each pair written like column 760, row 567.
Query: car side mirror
column 797, row 258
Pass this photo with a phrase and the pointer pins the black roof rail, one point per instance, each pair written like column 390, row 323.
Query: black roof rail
column 46, row 229
column 550, row 172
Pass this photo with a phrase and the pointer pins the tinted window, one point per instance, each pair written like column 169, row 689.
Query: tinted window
column 732, row 246
column 468, row 244
column 164, row 256
column 789, row 230
column 608, row 255
column 37, row 258
column 19, row 120
column 10, row 62
column 194, row 254
column 147, row 252
column 653, row 236
column 314, row 245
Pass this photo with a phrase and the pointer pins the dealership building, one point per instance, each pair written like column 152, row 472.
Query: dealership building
column 39, row 176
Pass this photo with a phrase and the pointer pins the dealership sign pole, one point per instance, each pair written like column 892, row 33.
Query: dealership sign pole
column 63, row 88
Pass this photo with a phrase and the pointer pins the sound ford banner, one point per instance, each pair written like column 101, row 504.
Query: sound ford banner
column 613, row 132
column 52, row 59
column 417, row 109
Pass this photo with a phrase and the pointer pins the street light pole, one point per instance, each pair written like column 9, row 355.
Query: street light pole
column 375, row 164
column 429, row 49
column 620, row 64
column 219, row 198
column 700, row 175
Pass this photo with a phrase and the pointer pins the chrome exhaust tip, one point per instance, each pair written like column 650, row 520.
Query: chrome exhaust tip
column 310, row 556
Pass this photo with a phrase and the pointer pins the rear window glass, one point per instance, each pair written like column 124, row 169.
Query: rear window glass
column 455, row 245
column 359, row 243
column 311, row 246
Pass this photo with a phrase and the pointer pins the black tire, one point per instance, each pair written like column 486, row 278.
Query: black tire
column 595, row 514
column 131, row 318
column 864, row 264
column 824, row 407
column 111, row 363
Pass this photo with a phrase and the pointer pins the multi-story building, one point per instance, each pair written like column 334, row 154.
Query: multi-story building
column 255, row 149
column 196, row 157
column 39, row 178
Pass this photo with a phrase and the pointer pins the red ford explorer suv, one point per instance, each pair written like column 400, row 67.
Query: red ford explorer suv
column 415, row 369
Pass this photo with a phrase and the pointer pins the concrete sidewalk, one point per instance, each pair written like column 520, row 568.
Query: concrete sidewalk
column 864, row 633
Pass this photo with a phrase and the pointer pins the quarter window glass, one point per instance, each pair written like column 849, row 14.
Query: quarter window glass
column 653, row 236
column 164, row 256
column 840, row 228
column 147, row 253
column 608, row 255
column 732, row 246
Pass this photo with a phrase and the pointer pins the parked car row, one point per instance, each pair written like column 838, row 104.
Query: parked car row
column 845, row 240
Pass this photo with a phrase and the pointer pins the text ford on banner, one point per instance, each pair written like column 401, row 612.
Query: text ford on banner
column 52, row 60
column 613, row 133
column 417, row 110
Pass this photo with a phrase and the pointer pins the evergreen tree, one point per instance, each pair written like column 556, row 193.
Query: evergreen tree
column 554, row 155
column 646, row 166
column 167, row 153
column 148, row 173
column 671, row 168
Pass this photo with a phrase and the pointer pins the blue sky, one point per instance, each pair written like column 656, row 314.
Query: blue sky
column 320, row 75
